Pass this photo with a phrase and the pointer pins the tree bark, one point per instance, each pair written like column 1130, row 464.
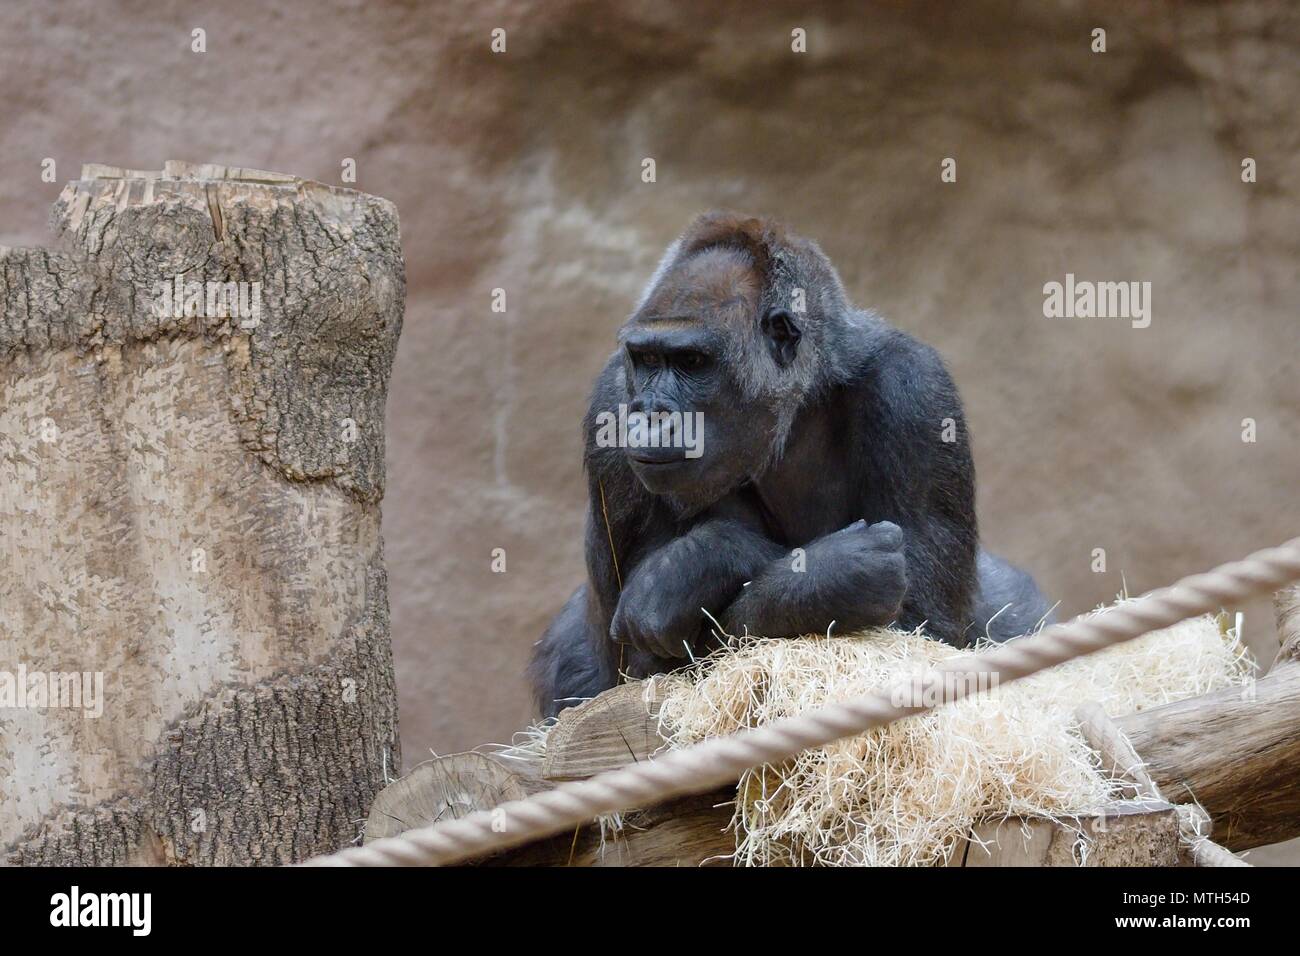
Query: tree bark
column 189, row 513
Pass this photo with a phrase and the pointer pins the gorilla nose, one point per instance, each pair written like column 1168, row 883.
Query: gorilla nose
column 648, row 406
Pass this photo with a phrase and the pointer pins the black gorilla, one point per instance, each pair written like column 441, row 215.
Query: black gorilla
column 828, row 479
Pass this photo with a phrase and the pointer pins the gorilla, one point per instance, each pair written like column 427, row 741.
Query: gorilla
column 829, row 483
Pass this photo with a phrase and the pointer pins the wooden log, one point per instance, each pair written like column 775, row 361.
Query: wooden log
column 691, row 831
column 609, row 731
column 685, row 832
column 620, row 727
column 445, row 788
column 189, row 520
column 1236, row 752
column 696, row 830
column 615, row 729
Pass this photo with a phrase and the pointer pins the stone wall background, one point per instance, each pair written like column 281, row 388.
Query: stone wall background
column 522, row 171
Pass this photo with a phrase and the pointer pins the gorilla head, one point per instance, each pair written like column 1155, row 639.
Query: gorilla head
column 729, row 338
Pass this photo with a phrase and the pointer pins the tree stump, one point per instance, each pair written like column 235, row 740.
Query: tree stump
column 191, row 468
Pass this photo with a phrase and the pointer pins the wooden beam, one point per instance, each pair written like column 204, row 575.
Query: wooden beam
column 1287, row 605
column 1236, row 752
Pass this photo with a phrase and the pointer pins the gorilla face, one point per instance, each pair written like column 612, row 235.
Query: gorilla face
column 693, row 433
column 687, row 424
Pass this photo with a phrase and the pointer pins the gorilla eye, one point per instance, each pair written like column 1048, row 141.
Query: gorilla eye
column 648, row 359
column 692, row 361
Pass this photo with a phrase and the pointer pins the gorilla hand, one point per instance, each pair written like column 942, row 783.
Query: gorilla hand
column 855, row 577
column 661, row 608
column 658, row 617
column 858, row 575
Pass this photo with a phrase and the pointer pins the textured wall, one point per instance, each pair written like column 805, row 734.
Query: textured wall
column 521, row 171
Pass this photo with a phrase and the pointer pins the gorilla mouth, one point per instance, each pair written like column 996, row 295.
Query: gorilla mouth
column 658, row 455
column 658, row 460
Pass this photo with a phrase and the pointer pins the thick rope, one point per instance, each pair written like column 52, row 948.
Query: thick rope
column 1194, row 831
column 1119, row 759
column 720, row 760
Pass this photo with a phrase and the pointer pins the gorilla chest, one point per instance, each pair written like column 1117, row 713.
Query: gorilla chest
column 800, row 505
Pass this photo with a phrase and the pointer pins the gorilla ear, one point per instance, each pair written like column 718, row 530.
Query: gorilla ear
column 782, row 336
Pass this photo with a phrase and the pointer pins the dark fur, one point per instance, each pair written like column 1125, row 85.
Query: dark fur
column 822, row 433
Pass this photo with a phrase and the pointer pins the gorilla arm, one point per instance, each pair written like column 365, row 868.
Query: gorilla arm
column 855, row 577
column 660, row 610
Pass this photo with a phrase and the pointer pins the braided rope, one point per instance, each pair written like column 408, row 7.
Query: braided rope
column 1193, row 830
column 1118, row 756
column 720, row 760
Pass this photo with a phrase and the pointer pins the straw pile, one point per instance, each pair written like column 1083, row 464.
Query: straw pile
column 905, row 794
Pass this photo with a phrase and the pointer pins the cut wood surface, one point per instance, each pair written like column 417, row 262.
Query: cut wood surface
column 446, row 788
column 1138, row 833
column 1286, row 603
column 609, row 731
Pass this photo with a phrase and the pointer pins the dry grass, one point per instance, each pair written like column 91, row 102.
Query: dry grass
column 905, row 794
